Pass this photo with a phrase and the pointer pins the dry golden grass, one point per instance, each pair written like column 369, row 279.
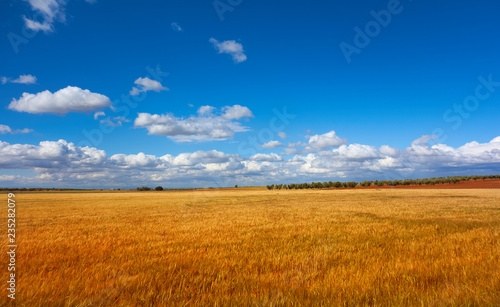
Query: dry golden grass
column 254, row 247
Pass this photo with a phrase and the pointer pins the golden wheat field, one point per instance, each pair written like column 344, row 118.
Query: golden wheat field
column 254, row 247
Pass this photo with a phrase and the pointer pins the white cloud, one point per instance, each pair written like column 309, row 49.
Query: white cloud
column 69, row 99
column 22, row 79
column 114, row 122
column 205, row 110
column 272, row 157
column 318, row 142
column 326, row 140
column 207, row 126
column 50, row 11
column 50, row 155
column 176, row 27
column 100, row 113
column 64, row 163
column 132, row 161
column 230, row 47
column 46, row 26
column 271, row 144
column 146, row 84
column 6, row 129
column 46, row 13
column 357, row 152
column 296, row 144
column 236, row 112
column 282, row 135
column 388, row 151
column 200, row 156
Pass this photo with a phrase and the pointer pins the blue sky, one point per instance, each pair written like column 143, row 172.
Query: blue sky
column 415, row 72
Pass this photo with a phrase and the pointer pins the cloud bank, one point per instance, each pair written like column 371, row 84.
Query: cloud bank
column 62, row 163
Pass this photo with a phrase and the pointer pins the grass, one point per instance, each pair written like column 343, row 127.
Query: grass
column 254, row 247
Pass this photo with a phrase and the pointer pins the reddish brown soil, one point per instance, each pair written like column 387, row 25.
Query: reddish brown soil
column 472, row 184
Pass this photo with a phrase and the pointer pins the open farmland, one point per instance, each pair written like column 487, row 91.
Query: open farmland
column 252, row 246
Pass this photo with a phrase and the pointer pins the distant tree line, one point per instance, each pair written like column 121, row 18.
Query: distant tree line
column 312, row 185
column 379, row 183
column 158, row 188
column 37, row 189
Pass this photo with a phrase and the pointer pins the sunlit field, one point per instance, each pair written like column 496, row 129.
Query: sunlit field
column 255, row 247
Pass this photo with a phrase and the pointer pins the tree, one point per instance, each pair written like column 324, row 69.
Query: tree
column 159, row 188
column 365, row 183
column 352, row 184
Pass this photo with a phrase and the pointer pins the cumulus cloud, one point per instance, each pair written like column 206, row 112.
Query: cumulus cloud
column 272, row 144
column 6, row 129
column 230, row 47
column 139, row 160
column 296, row 144
column 282, row 135
column 236, row 112
column 206, row 126
column 22, row 79
column 200, row 156
column 315, row 143
column 69, row 99
column 175, row 26
column 62, row 162
column 357, row 152
column 329, row 139
column 387, row 150
column 49, row 155
column 272, row 157
column 419, row 159
column 146, row 84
